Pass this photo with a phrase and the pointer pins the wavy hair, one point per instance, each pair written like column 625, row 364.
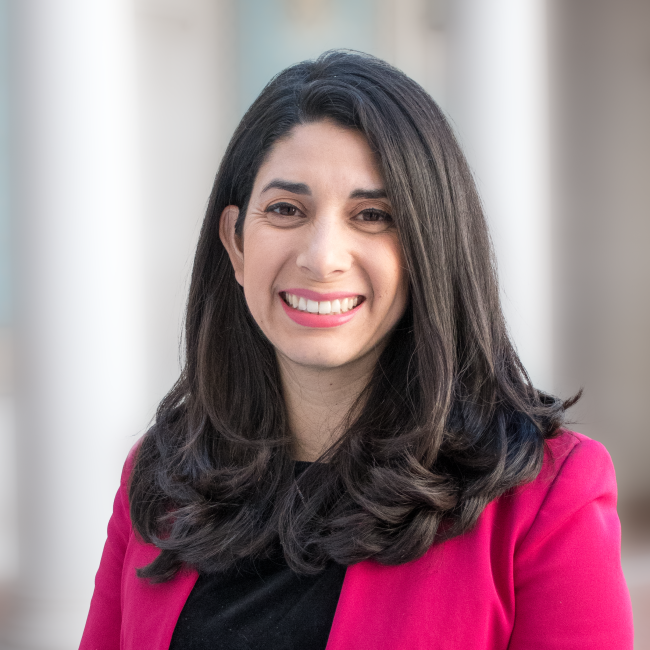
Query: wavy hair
column 448, row 422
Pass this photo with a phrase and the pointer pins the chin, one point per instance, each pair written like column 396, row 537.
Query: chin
column 326, row 359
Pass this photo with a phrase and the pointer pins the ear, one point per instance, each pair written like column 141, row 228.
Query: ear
column 232, row 242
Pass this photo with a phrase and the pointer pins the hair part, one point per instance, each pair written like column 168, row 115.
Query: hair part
column 449, row 420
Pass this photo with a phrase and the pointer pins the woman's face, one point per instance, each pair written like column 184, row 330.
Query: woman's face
column 320, row 259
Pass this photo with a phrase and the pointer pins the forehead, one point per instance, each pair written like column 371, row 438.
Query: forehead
column 322, row 154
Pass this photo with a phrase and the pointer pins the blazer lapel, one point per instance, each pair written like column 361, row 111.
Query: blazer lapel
column 150, row 611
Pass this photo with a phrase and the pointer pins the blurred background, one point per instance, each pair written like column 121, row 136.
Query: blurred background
column 113, row 117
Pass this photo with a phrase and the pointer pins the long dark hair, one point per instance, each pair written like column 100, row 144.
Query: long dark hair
column 448, row 422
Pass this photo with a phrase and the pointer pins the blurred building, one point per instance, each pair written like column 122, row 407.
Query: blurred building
column 113, row 118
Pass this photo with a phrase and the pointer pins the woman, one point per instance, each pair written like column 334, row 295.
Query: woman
column 354, row 456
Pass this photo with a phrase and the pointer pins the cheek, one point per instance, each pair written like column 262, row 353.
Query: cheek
column 388, row 263
column 263, row 261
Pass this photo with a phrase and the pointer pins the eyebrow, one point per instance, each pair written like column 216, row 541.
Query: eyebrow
column 369, row 194
column 287, row 186
column 303, row 188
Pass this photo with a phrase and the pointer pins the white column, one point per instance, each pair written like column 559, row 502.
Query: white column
column 187, row 96
column 80, row 306
column 498, row 94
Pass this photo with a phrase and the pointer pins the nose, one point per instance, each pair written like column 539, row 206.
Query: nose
column 326, row 250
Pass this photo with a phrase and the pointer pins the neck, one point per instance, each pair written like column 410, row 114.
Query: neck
column 318, row 401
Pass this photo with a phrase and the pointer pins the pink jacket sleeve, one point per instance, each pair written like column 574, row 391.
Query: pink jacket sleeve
column 102, row 631
column 570, row 591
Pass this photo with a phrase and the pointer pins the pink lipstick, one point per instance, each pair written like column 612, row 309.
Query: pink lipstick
column 312, row 309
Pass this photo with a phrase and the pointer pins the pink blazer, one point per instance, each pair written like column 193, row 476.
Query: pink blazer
column 541, row 569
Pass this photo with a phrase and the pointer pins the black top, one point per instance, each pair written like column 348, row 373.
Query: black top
column 260, row 604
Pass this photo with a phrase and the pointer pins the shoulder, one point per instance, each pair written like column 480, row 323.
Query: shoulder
column 130, row 459
column 575, row 457
column 566, row 564
column 576, row 470
column 577, row 477
column 127, row 469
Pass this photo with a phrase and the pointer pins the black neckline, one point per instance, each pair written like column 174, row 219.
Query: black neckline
column 300, row 466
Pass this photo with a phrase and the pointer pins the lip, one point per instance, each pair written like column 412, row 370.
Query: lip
column 307, row 319
column 318, row 297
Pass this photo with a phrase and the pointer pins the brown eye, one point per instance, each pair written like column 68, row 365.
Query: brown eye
column 374, row 216
column 283, row 209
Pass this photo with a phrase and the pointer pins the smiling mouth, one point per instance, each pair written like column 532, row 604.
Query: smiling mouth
column 322, row 307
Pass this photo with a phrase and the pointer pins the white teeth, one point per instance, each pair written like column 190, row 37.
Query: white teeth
column 323, row 307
